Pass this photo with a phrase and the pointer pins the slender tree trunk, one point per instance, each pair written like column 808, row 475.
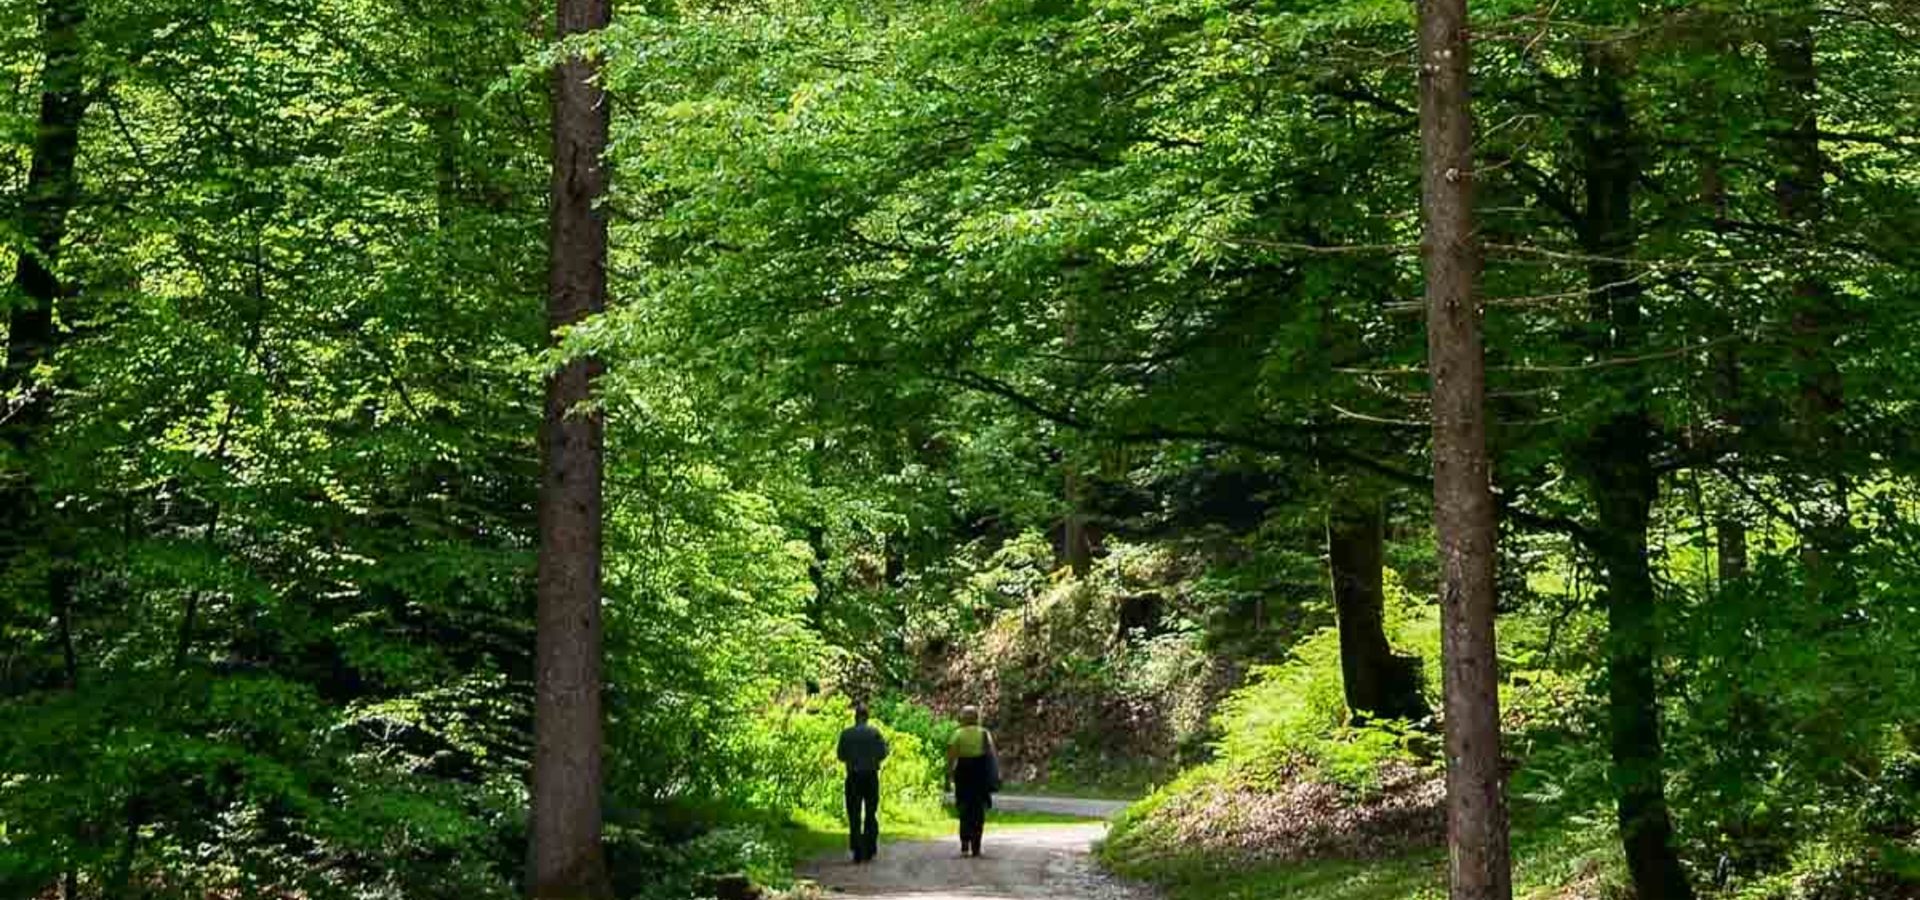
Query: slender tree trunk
column 568, row 860
column 1729, row 529
column 62, row 591
column 819, row 554
column 444, row 119
column 1377, row 682
column 1800, row 191
column 1078, row 537
column 817, row 574
column 1730, row 536
column 1617, row 465
column 129, row 847
column 1462, row 473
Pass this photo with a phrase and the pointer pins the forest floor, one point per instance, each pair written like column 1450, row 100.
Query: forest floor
column 1022, row 859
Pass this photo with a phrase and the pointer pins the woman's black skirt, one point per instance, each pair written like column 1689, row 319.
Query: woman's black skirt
column 973, row 781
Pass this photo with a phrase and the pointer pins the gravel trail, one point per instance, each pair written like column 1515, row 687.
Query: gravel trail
column 1020, row 863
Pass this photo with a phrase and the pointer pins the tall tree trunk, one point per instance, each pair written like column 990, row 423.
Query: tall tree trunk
column 1730, row 552
column 50, row 191
column 51, row 187
column 1729, row 528
column 1623, row 487
column 1078, row 537
column 567, row 857
column 1800, row 190
column 1377, row 682
column 1617, row 466
column 817, row 574
column 1462, row 474
column 61, row 589
column 26, row 407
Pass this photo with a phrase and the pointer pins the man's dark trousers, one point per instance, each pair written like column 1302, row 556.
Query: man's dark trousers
column 863, row 814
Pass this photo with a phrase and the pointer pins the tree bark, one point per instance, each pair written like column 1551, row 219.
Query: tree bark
column 1623, row 491
column 62, row 591
column 568, row 862
column 51, row 187
column 1462, row 477
column 1378, row 684
column 1729, row 529
column 1730, row 534
column 26, row 407
column 1078, row 537
column 1617, row 466
column 50, row 192
column 1800, row 191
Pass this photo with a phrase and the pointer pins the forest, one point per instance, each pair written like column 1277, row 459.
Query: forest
column 1396, row 448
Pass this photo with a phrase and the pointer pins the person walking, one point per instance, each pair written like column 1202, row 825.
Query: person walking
column 973, row 773
column 862, row 749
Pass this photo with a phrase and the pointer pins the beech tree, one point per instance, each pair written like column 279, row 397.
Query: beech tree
column 568, row 770
column 32, row 337
column 1378, row 682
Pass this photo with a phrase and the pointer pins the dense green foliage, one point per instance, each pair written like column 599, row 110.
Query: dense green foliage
column 903, row 290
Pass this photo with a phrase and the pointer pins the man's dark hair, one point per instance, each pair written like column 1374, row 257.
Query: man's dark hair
column 859, row 712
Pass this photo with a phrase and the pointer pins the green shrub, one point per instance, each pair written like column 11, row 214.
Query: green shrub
column 644, row 867
column 796, row 768
column 1293, row 717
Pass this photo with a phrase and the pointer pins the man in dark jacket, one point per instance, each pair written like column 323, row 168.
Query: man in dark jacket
column 862, row 749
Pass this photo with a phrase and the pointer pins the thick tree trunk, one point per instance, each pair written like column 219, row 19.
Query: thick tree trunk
column 1462, row 476
column 1617, row 465
column 25, row 406
column 50, row 191
column 1623, row 489
column 567, row 859
column 51, row 187
column 1378, row 683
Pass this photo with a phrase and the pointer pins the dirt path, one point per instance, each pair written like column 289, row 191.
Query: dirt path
column 1063, row 806
column 1020, row 863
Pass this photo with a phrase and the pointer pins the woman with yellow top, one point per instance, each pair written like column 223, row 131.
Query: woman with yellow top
column 973, row 772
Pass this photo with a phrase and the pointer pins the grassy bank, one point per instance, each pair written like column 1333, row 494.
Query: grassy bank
column 1563, row 862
